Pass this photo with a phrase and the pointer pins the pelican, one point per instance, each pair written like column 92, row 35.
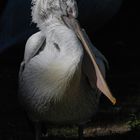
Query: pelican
column 62, row 74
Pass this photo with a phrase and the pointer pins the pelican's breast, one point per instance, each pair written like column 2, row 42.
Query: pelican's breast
column 48, row 74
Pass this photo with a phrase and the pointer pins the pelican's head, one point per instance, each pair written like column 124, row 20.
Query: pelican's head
column 43, row 9
column 69, row 8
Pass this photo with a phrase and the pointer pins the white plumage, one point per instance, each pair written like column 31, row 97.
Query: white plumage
column 54, row 73
column 57, row 80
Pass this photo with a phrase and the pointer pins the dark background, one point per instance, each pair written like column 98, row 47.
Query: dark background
column 112, row 25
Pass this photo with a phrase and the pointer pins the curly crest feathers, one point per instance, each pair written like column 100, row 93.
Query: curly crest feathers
column 42, row 9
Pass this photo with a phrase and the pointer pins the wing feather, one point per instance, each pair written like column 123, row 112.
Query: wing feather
column 33, row 45
column 32, row 48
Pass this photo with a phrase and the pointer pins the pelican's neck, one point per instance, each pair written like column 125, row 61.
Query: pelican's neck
column 51, row 22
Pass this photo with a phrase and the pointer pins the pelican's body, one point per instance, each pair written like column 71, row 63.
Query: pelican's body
column 57, row 78
column 53, row 86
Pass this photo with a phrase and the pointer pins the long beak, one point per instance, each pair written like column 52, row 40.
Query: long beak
column 101, row 83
